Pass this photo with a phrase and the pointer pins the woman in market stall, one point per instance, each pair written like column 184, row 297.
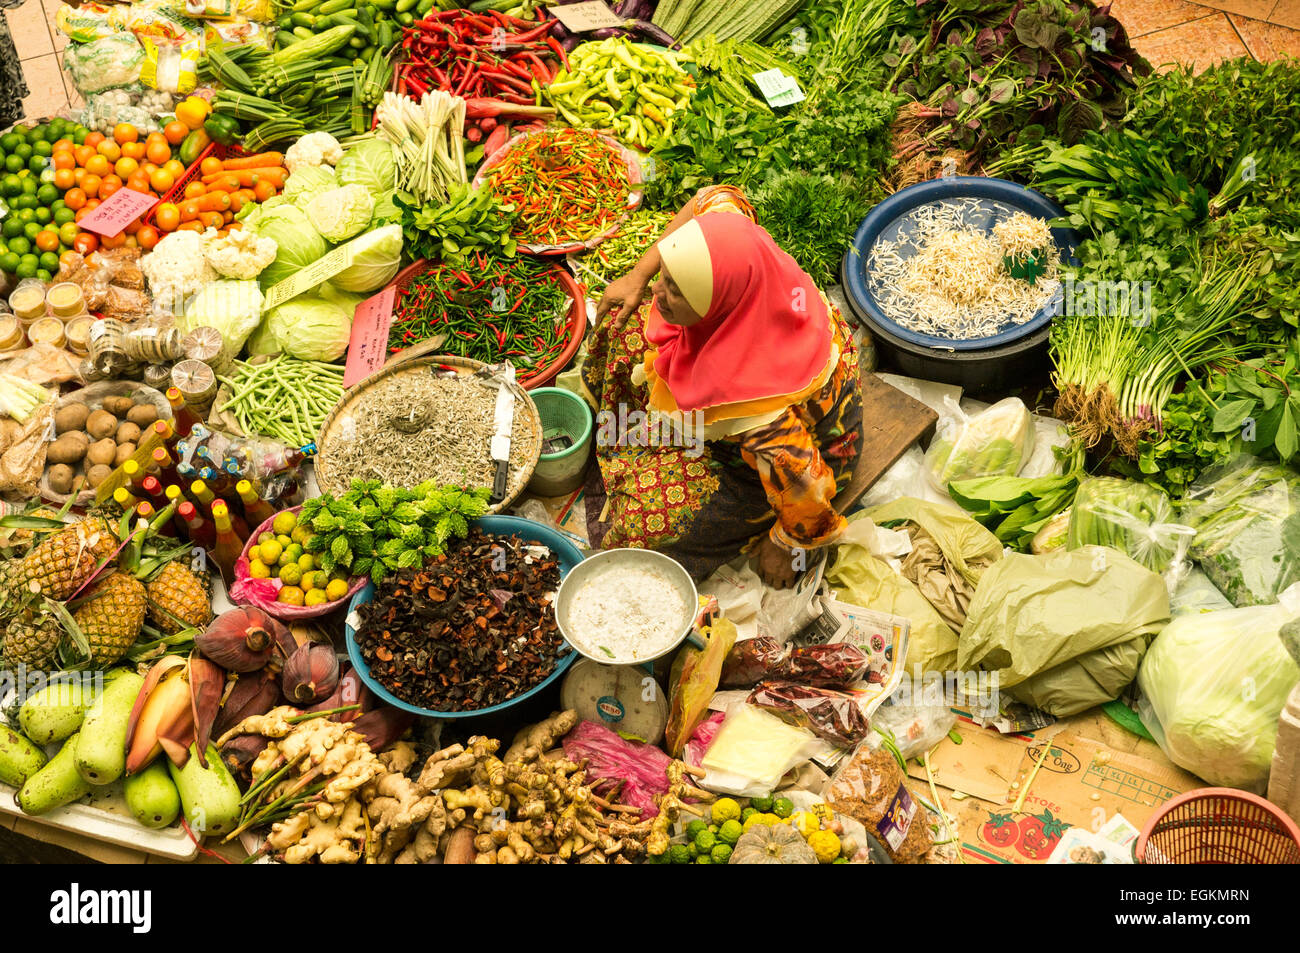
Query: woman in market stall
column 758, row 375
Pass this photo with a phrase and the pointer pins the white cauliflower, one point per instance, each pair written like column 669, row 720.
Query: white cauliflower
column 240, row 253
column 176, row 269
column 315, row 148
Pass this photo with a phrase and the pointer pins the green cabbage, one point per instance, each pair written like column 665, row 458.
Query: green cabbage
column 386, row 210
column 375, row 259
column 298, row 243
column 370, row 163
column 311, row 328
column 341, row 213
column 232, row 307
column 309, row 182
column 1214, row 684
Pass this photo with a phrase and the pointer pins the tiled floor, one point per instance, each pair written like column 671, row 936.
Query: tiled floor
column 1164, row 31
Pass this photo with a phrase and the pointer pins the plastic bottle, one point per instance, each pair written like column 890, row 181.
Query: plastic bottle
column 1284, row 779
column 185, row 418
column 228, row 546
column 256, row 509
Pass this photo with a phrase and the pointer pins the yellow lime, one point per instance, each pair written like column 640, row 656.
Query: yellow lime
column 306, row 562
column 290, row 595
column 301, row 533
column 270, row 552
column 283, row 540
column 290, row 575
column 258, row 569
column 315, row 597
column 284, row 523
column 336, row 589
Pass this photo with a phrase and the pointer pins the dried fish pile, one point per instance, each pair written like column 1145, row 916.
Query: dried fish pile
column 945, row 275
column 408, row 428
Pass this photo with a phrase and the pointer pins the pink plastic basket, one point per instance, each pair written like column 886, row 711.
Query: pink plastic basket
column 261, row 593
column 1218, row 826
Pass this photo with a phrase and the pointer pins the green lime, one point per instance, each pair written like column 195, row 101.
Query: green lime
column 62, row 216
column 47, row 194
column 20, row 244
column 21, row 132
column 23, row 150
column 32, row 229
column 37, row 133
column 9, row 262
column 43, row 148
column 45, row 275
column 37, row 164
column 14, row 162
column 26, row 269
column 58, row 204
column 47, row 175
column 11, row 227
column 68, row 232
column 44, row 215
column 9, row 141
column 31, row 184
column 25, row 201
column 79, row 137
column 26, row 215
column 49, row 261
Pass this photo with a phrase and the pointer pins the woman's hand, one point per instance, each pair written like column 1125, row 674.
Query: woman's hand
column 774, row 564
column 621, row 299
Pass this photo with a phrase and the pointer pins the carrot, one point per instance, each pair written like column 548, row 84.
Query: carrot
column 226, row 181
column 239, row 197
column 263, row 190
column 213, row 202
column 212, row 219
column 193, row 226
column 259, row 161
column 250, row 177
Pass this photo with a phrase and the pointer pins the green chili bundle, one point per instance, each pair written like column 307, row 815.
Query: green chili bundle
column 506, row 309
column 616, row 256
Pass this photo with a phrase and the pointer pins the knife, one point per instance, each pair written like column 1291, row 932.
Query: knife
column 500, row 447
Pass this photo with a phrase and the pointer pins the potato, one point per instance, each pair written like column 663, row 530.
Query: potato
column 101, row 424
column 124, row 453
column 98, row 474
column 69, row 448
column 118, row 406
column 142, row 415
column 61, row 477
column 71, row 417
column 127, row 432
column 101, row 452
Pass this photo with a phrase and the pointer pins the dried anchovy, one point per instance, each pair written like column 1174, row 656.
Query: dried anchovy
column 414, row 427
column 472, row 629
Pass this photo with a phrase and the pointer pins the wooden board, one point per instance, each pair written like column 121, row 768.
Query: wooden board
column 891, row 422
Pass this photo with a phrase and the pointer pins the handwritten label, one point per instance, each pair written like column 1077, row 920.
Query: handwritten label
column 117, row 212
column 778, row 88
column 305, row 279
column 582, row 17
column 368, row 346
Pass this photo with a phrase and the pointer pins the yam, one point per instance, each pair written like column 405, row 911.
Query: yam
column 71, row 417
column 142, row 415
column 118, row 406
column 127, row 432
column 125, row 451
column 101, row 424
column 69, row 448
column 101, row 452
column 61, row 476
column 98, row 474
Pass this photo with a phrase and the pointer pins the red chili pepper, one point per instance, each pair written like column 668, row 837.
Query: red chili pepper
column 540, row 69
column 536, row 34
column 555, row 46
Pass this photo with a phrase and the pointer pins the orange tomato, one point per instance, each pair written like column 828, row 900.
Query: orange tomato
column 92, row 204
column 132, row 226
column 175, row 132
column 125, row 132
column 81, row 213
column 125, row 166
column 210, row 166
column 83, row 154
column 64, row 160
column 175, row 166
column 147, row 237
column 158, row 151
column 64, row 179
column 133, row 150
column 47, row 239
column 78, row 175
column 98, row 165
column 74, row 199
column 161, row 180
column 113, row 241
column 195, row 189
column 138, row 181
column 167, row 216
column 94, row 138
column 109, row 185
column 62, row 145
column 110, row 150
column 85, row 243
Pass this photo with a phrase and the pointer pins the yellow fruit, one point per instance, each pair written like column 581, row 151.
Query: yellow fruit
column 337, row 589
column 110, row 617
column 284, row 523
column 725, row 809
column 301, row 534
column 193, row 111
column 290, row 575
column 315, row 597
column 805, row 822
column 306, row 562
column 178, row 598
column 291, row 595
column 269, row 553
column 825, row 844
column 258, row 569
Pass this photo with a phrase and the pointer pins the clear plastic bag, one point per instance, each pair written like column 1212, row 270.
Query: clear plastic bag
column 836, row 665
column 872, row 788
column 994, row 442
column 1132, row 517
column 915, row 729
column 835, row 717
column 104, row 63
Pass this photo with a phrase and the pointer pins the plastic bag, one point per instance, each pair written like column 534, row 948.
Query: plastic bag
column 752, row 750
column 907, row 477
column 702, row 737
column 833, row 716
column 1064, row 631
column 1132, row 517
column 640, row 768
column 1213, row 686
column 90, row 21
column 43, row 364
column 241, row 31
column 915, row 729
column 994, row 442
column 1196, row 594
column 826, row 666
column 872, row 788
column 105, row 63
column 693, row 681
column 1247, row 521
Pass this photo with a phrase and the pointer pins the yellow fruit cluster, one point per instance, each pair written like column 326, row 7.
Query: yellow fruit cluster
column 282, row 554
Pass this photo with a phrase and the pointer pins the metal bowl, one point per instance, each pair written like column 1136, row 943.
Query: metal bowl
column 569, row 558
column 641, row 558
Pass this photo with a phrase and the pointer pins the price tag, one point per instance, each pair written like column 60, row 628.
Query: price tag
column 305, row 279
column 778, row 88
column 582, row 17
column 368, row 346
column 117, row 212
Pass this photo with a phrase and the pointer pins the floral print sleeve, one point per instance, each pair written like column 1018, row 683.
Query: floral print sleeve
column 722, row 198
column 799, row 484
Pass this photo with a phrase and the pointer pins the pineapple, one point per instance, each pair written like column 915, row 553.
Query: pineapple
column 59, row 564
column 111, row 616
column 178, row 593
column 31, row 638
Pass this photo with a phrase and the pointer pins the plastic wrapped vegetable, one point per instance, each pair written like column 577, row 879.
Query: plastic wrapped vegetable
column 1247, row 521
column 1132, row 517
column 994, row 442
column 835, row 665
column 831, row 715
column 106, row 63
column 1214, row 684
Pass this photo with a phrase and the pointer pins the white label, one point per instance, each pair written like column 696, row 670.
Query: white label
column 778, row 88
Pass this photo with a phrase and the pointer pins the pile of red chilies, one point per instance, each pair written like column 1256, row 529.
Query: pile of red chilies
column 472, row 55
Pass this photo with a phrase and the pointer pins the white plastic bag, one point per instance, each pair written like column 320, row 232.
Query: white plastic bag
column 994, row 442
column 752, row 750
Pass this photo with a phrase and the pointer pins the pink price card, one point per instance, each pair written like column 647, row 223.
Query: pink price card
column 117, row 212
column 368, row 346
